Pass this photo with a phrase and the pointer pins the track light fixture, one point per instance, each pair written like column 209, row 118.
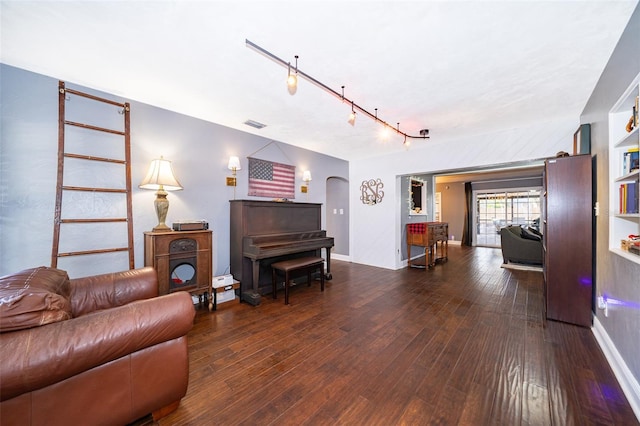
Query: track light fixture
column 292, row 79
column 424, row 134
column 352, row 116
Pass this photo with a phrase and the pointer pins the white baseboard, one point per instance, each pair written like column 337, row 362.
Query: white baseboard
column 341, row 257
column 628, row 383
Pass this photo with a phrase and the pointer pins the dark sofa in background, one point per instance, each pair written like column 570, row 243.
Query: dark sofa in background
column 521, row 245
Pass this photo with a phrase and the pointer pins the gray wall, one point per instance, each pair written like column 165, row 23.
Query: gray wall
column 616, row 277
column 405, row 206
column 198, row 149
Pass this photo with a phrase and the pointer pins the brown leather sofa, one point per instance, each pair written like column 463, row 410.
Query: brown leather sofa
column 96, row 350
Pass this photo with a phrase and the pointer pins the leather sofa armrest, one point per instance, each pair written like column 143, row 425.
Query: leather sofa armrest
column 40, row 356
column 105, row 291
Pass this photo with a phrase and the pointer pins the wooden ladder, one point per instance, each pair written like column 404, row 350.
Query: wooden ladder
column 84, row 210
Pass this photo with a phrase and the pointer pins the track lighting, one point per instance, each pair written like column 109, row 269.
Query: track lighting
column 424, row 133
column 292, row 79
column 352, row 115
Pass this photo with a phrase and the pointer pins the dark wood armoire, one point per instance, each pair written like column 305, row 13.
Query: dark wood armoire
column 568, row 239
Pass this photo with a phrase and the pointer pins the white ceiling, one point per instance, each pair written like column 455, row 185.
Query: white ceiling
column 457, row 68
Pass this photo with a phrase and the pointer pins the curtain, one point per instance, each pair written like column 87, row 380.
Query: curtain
column 467, row 236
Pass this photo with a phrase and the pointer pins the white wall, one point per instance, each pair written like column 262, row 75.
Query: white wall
column 375, row 230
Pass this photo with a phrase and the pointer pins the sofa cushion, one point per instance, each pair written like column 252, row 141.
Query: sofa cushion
column 527, row 234
column 535, row 231
column 34, row 297
column 515, row 230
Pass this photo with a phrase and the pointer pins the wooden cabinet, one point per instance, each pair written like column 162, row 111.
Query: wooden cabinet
column 429, row 235
column 568, row 239
column 182, row 259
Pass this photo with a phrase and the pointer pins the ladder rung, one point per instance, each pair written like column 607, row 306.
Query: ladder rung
column 117, row 219
column 92, row 158
column 95, row 98
column 80, row 253
column 89, row 126
column 82, row 188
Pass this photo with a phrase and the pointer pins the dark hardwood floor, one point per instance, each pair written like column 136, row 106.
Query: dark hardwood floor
column 464, row 343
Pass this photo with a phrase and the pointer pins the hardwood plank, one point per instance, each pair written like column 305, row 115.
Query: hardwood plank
column 417, row 412
column 476, row 409
column 463, row 343
column 535, row 404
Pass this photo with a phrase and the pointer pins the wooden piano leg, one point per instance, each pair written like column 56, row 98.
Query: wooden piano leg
column 252, row 296
column 273, row 283
column 286, row 287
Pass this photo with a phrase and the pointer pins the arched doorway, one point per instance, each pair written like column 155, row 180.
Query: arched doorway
column 338, row 214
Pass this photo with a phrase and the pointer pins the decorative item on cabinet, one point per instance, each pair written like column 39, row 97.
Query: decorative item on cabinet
column 582, row 140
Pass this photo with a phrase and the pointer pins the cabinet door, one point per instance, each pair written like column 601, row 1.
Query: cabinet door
column 569, row 240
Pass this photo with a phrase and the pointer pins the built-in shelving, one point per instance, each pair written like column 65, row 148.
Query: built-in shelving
column 624, row 219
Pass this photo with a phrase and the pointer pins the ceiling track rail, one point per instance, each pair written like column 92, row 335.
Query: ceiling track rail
column 340, row 96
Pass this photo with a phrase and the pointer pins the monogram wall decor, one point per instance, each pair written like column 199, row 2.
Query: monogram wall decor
column 371, row 191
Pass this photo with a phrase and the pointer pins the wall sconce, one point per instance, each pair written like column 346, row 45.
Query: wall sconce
column 306, row 177
column 234, row 166
column 161, row 178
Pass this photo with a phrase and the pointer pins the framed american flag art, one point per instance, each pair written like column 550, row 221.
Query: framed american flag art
column 269, row 179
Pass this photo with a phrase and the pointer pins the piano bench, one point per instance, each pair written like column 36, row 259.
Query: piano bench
column 308, row 264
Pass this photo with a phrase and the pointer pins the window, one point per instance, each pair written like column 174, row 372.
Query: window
column 497, row 209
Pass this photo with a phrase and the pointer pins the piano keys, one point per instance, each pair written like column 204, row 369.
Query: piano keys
column 264, row 232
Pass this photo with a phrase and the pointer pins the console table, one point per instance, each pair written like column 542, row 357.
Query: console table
column 429, row 235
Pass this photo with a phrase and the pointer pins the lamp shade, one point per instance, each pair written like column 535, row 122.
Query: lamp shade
column 234, row 163
column 306, row 176
column 160, row 174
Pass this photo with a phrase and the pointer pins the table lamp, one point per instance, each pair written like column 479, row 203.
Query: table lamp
column 161, row 178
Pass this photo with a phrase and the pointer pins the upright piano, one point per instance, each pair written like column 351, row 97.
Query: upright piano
column 264, row 232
